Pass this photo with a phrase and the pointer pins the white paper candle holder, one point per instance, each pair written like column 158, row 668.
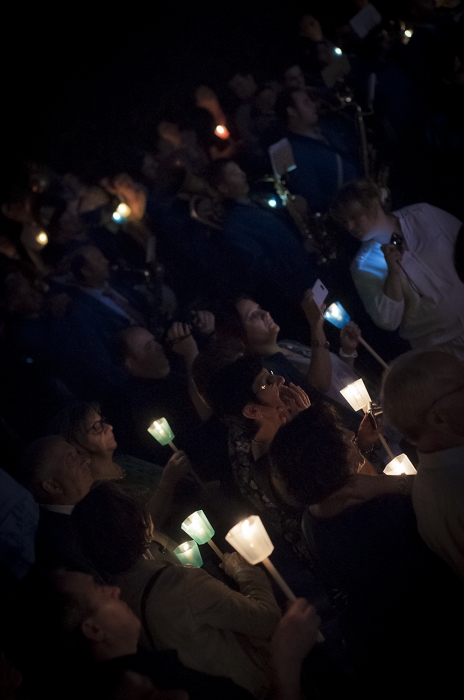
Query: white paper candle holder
column 400, row 465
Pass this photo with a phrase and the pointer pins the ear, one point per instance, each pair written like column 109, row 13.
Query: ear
column 51, row 486
column 434, row 419
column 92, row 630
column 252, row 410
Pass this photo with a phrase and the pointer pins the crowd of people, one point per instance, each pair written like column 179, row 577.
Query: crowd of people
column 189, row 289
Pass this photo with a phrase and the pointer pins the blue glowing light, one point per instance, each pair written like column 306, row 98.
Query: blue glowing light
column 336, row 315
column 338, row 51
column 272, row 203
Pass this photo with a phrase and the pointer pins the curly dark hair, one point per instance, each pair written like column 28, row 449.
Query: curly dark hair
column 310, row 455
column 113, row 529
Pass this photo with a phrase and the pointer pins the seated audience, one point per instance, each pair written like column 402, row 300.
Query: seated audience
column 92, row 637
column 270, row 247
column 369, row 554
column 423, row 396
column 58, row 476
column 404, row 270
column 322, row 369
column 213, row 629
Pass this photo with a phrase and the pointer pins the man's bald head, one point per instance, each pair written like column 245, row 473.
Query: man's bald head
column 423, row 396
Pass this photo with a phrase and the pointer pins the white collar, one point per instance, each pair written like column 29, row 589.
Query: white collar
column 64, row 510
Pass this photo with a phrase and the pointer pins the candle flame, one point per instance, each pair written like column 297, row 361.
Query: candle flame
column 185, row 547
column 42, row 238
column 222, row 131
column 123, row 209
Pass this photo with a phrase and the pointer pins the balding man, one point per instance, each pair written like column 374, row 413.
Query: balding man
column 423, row 396
column 58, row 477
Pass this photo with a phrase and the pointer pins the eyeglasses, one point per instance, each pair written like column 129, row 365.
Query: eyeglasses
column 268, row 380
column 98, row 428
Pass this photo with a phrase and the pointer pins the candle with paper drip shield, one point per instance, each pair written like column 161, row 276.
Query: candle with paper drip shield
column 400, row 465
column 339, row 317
column 250, row 539
column 200, row 529
column 161, row 431
column 358, row 397
column 188, row 553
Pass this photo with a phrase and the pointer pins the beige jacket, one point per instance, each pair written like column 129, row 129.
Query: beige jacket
column 213, row 628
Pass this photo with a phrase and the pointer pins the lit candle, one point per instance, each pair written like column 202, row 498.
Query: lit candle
column 188, row 553
column 400, row 465
column 250, row 539
column 42, row 238
column 121, row 213
column 357, row 395
column 336, row 315
column 222, row 131
column 161, row 431
column 200, row 529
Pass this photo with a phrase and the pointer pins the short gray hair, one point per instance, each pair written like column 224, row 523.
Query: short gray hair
column 37, row 464
column 412, row 383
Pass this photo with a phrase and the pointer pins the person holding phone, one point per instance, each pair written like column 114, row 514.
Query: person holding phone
column 404, row 270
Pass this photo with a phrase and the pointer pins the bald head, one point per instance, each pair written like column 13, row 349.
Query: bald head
column 423, row 396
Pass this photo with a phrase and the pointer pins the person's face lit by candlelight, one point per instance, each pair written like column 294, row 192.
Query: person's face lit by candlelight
column 143, row 356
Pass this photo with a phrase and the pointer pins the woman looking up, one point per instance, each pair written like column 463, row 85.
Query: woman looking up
column 321, row 368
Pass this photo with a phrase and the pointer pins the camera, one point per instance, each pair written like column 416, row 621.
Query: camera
column 397, row 239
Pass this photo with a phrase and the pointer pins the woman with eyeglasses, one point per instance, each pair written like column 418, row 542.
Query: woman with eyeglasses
column 84, row 426
column 319, row 367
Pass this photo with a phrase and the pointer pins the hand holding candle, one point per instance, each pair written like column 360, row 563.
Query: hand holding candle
column 250, row 539
column 161, row 431
column 358, row 397
column 339, row 317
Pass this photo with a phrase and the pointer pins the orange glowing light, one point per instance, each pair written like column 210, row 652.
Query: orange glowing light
column 222, row 131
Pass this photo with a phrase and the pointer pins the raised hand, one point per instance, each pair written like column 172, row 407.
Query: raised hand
column 349, row 337
column 294, row 398
column 181, row 340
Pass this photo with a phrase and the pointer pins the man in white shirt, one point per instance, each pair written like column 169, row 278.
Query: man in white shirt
column 423, row 396
column 410, row 285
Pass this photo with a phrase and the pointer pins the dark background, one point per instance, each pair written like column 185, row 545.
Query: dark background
column 89, row 83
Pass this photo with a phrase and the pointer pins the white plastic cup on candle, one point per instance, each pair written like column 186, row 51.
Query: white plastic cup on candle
column 400, row 465
column 251, row 540
column 357, row 395
column 161, row 431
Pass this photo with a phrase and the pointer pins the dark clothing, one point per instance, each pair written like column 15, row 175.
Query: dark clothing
column 165, row 671
column 271, row 250
column 322, row 167
column 393, row 595
column 57, row 543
